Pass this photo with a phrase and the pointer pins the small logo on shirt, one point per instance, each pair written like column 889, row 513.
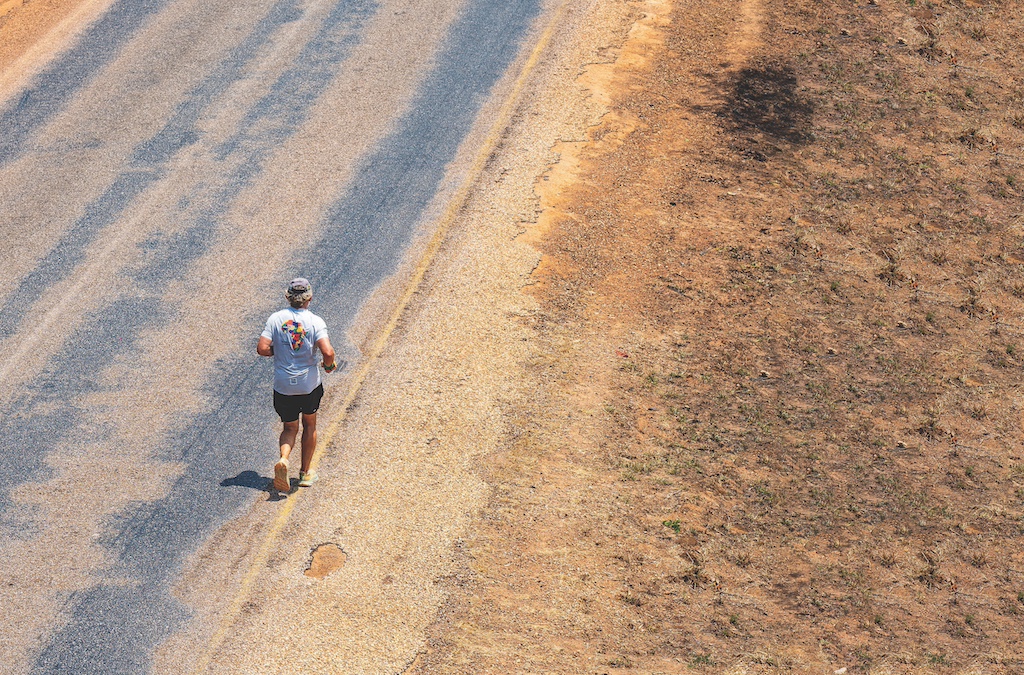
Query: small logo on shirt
column 296, row 333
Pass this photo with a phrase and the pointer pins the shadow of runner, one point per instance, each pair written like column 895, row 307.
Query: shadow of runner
column 249, row 479
column 253, row 480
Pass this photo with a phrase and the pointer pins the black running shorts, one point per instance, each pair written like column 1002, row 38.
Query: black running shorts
column 289, row 407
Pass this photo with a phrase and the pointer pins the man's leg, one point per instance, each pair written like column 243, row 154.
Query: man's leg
column 308, row 440
column 288, row 436
column 287, row 442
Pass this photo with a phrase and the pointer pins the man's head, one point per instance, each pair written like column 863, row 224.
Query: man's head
column 299, row 292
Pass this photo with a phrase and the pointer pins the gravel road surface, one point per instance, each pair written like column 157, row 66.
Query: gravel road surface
column 160, row 178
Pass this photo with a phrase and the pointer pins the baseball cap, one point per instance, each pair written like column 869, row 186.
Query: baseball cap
column 299, row 286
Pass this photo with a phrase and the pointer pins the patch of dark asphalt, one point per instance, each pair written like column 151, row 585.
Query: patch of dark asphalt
column 46, row 414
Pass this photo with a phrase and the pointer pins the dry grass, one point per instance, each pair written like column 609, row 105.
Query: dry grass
column 778, row 424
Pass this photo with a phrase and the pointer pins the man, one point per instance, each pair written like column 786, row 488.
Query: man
column 292, row 337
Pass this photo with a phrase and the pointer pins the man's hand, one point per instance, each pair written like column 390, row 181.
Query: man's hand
column 265, row 347
column 336, row 365
column 329, row 364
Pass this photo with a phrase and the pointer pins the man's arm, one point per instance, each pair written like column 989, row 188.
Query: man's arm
column 324, row 345
column 265, row 347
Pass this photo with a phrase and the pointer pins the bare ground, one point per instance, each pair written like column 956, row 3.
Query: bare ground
column 771, row 419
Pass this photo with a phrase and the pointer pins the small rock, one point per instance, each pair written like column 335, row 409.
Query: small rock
column 901, row 41
column 841, row 671
column 832, row 351
column 901, row 445
column 764, row 373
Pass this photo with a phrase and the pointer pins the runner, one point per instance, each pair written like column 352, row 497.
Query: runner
column 292, row 337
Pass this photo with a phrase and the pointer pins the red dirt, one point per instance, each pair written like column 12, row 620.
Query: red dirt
column 776, row 416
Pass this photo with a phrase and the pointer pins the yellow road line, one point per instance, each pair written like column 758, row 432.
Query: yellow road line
column 455, row 205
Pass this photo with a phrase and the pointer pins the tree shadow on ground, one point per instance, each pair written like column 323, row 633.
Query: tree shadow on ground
column 764, row 107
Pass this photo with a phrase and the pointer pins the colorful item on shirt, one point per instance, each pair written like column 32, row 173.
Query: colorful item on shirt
column 296, row 333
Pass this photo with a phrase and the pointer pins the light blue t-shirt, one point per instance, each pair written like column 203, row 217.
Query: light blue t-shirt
column 294, row 334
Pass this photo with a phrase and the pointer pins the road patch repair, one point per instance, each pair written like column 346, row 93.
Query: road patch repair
column 325, row 559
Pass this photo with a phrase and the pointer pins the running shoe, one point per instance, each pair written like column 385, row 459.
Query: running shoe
column 281, row 476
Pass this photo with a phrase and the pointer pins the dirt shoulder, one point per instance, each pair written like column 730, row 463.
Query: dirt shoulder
column 770, row 418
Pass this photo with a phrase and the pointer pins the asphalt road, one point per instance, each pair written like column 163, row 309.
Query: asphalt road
column 159, row 183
